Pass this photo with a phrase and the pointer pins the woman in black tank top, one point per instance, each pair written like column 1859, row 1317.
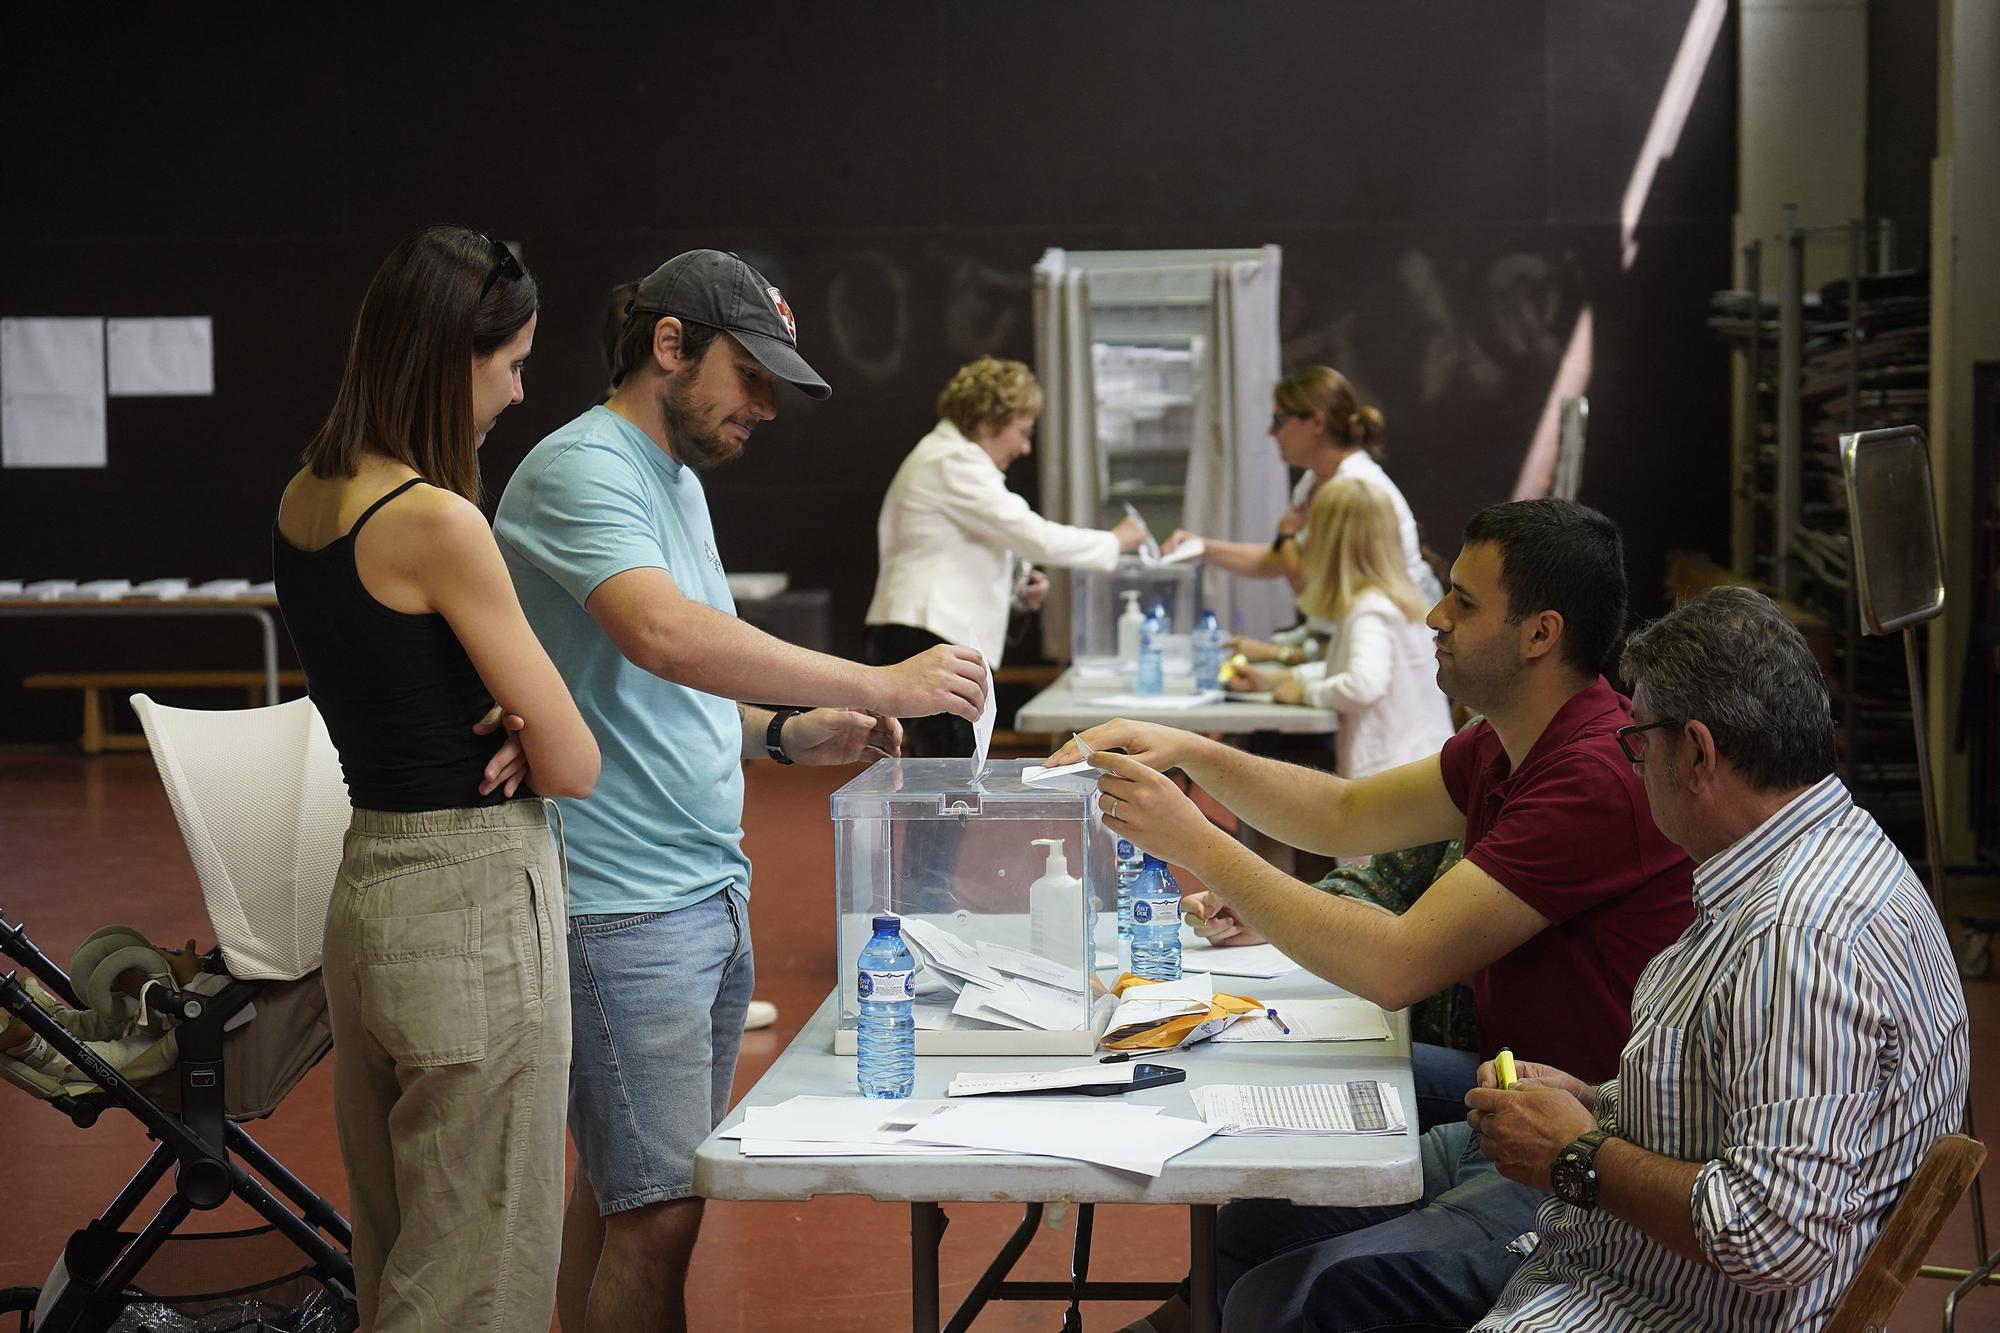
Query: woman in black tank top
column 445, row 959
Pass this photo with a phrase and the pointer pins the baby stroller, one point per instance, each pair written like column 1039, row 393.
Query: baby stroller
column 193, row 1046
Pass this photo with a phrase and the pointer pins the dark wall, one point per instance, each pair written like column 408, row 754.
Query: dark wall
column 1445, row 179
column 1902, row 121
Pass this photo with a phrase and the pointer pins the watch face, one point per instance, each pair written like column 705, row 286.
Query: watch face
column 1572, row 1177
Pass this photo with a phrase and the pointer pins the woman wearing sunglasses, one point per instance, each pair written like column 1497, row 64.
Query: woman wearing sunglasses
column 1323, row 429
column 445, row 963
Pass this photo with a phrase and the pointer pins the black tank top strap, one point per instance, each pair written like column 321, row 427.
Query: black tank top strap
column 369, row 512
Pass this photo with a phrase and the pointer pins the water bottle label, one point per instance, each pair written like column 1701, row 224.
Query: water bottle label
column 1142, row 911
column 889, row 986
column 1125, row 849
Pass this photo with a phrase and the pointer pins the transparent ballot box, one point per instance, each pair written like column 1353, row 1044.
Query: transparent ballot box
column 1097, row 599
column 1007, row 892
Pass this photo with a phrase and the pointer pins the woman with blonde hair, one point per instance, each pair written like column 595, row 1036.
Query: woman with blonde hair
column 958, row 548
column 1379, row 672
column 1324, row 430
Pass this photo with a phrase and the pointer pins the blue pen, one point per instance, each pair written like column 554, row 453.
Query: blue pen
column 1272, row 1014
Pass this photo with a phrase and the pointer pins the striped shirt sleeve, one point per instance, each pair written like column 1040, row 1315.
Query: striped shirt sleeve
column 1802, row 1044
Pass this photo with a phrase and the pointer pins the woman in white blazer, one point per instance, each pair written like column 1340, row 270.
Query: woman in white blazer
column 958, row 548
column 1379, row 672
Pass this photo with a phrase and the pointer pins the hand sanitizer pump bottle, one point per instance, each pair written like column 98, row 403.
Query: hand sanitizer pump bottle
column 1129, row 622
column 1055, row 909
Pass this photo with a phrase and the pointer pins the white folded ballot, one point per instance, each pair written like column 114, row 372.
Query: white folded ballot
column 1364, row 1106
column 980, row 984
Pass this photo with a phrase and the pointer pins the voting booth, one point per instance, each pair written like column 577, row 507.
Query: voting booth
column 1007, row 892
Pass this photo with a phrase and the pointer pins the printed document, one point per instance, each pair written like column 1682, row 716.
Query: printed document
column 1363, row 1106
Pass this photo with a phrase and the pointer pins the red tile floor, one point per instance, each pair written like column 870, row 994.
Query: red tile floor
column 87, row 842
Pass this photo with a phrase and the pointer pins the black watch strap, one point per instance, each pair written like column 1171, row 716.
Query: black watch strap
column 773, row 745
column 1574, row 1174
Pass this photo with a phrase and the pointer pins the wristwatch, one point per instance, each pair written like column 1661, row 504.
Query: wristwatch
column 1574, row 1173
column 1278, row 542
column 773, row 746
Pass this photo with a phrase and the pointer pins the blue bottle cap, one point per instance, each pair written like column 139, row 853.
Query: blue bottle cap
column 891, row 924
column 1154, row 862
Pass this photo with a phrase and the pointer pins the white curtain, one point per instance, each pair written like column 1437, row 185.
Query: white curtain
column 1236, row 483
column 1066, row 447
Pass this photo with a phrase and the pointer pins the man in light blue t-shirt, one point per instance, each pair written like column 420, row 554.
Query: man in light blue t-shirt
column 605, row 528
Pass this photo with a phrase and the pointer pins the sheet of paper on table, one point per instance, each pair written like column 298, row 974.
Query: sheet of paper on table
column 1331, row 1018
column 1110, row 1133
column 1159, row 703
column 1042, row 1080
column 1250, row 960
column 1189, row 551
column 1363, row 1106
column 836, row 1127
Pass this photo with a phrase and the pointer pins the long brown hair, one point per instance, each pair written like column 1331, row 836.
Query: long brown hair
column 1325, row 390
column 1353, row 544
column 441, row 298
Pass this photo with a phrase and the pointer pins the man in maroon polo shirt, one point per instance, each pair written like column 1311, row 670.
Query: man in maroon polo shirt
column 1566, row 891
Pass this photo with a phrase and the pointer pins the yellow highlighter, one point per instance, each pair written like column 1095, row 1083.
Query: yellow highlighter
column 1503, row 1067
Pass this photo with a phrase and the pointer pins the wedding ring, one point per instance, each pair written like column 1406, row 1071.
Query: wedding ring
column 1113, row 812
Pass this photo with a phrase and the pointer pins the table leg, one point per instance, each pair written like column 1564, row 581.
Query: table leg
column 270, row 632
column 926, row 1235
column 1201, row 1268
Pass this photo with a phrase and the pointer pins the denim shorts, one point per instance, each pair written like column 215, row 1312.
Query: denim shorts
column 657, row 1002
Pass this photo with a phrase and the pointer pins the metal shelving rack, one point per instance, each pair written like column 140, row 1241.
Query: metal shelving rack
column 1850, row 356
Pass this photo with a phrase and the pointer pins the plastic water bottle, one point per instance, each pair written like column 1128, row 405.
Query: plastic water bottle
column 1152, row 678
column 1130, row 861
column 1156, row 923
column 1207, row 651
column 885, row 1041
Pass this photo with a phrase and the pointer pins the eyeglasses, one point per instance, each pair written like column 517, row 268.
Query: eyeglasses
column 1280, row 418
column 1632, row 739
column 504, row 265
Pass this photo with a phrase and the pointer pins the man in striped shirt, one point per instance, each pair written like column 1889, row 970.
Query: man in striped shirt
column 1793, row 1055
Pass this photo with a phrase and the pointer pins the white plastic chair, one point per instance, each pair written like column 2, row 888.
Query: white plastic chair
column 262, row 804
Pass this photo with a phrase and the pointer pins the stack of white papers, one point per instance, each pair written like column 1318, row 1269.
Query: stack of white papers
column 48, row 590
column 1364, row 1106
column 161, row 588
column 972, row 985
column 1333, row 1019
column 1130, row 1138
column 96, row 590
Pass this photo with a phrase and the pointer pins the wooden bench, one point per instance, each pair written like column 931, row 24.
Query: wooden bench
column 98, row 736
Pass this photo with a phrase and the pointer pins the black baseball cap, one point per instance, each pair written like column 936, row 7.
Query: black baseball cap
column 710, row 287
